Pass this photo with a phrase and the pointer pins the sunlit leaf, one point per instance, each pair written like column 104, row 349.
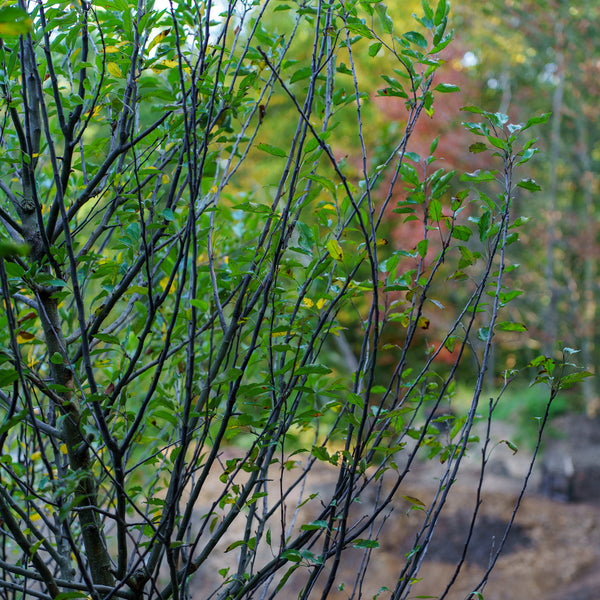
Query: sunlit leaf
column 114, row 70
column 14, row 21
column 334, row 249
column 159, row 38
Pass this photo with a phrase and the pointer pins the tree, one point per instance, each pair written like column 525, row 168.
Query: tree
column 539, row 56
column 168, row 325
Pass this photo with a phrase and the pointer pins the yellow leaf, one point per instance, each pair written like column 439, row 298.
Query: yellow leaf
column 321, row 303
column 165, row 282
column 414, row 501
column 159, row 38
column 99, row 310
column 169, row 63
column 334, row 249
column 114, row 69
column 111, row 49
column 165, row 178
column 24, row 336
column 63, row 448
column 308, row 302
column 96, row 111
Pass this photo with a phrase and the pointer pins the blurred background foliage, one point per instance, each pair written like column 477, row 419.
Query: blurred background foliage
column 518, row 58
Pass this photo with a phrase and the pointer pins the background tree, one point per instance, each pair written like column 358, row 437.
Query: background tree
column 544, row 55
column 168, row 327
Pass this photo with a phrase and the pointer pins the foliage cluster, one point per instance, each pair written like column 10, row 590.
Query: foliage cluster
column 167, row 325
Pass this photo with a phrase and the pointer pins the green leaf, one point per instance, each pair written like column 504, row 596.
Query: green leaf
column 435, row 210
column 70, row 595
column 467, row 257
column 10, row 249
column 409, row 174
column 319, row 524
column 483, row 333
column 527, row 155
column 395, row 88
column 433, row 146
column 386, row 22
column 529, row 184
column 235, row 545
column 478, row 176
column 356, row 25
column 300, row 74
column 537, row 120
column 314, row 368
column 8, row 376
column 228, row 375
column 360, row 543
column 16, row 418
column 274, row 150
column 375, row 48
column 427, row 10
column 483, row 224
column 498, row 143
column 320, row 453
column 14, row 21
column 568, row 380
column 417, row 39
column 108, row 338
column 446, row 88
column 422, row 248
column 292, row 555
column 473, row 109
column 441, row 12
column 511, row 445
column 477, row 147
column 56, row 358
column 506, row 297
column 356, row 400
column 510, row 326
column 326, row 183
column 461, row 232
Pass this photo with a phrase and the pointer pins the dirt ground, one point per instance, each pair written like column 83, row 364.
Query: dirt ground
column 552, row 553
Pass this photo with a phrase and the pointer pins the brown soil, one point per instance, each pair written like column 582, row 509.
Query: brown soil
column 552, row 552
